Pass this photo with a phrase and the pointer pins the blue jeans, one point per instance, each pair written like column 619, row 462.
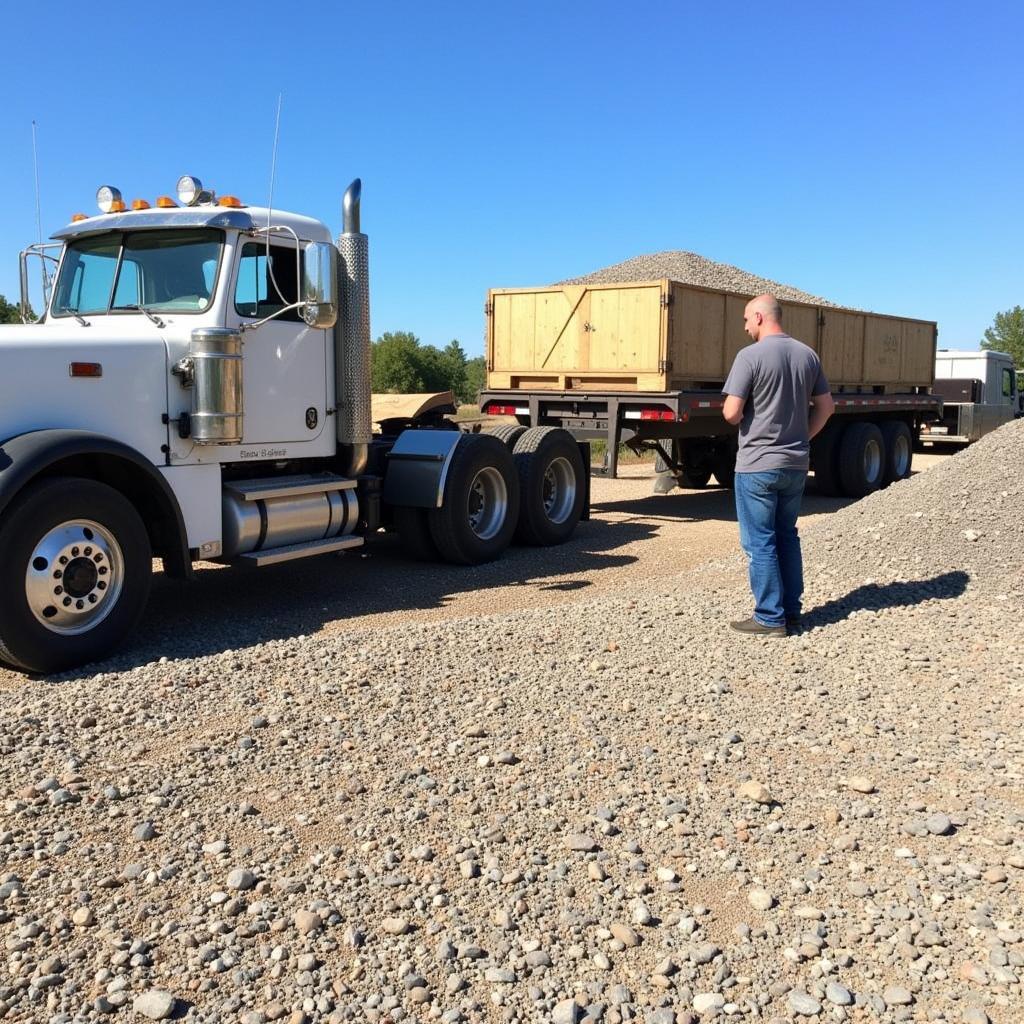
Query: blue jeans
column 767, row 505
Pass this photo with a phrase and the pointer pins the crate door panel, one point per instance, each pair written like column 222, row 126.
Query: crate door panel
column 625, row 329
column 801, row 322
column 735, row 336
column 883, row 344
column 842, row 347
column 918, row 354
column 560, row 316
column 698, row 326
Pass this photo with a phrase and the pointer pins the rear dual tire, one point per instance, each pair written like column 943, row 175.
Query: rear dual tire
column 550, row 470
column 853, row 460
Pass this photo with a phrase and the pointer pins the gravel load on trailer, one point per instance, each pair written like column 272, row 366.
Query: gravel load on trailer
column 612, row 810
column 691, row 268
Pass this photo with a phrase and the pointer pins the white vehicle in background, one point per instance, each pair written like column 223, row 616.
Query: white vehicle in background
column 198, row 388
column 979, row 391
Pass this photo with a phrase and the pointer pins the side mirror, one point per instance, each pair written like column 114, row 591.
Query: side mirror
column 320, row 284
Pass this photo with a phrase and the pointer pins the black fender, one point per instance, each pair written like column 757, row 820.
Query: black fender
column 59, row 452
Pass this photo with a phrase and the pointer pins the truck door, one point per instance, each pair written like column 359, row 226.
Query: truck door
column 285, row 364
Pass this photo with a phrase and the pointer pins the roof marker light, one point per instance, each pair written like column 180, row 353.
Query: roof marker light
column 166, row 203
column 77, row 217
column 109, row 200
column 233, row 201
column 140, row 204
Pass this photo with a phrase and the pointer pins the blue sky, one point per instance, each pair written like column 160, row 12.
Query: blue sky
column 872, row 154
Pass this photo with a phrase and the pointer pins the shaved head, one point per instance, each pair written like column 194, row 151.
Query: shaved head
column 762, row 317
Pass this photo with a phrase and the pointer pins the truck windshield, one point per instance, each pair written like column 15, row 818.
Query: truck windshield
column 169, row 271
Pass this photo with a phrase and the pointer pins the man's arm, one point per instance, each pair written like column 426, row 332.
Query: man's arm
column 822, row 406
column 733, row 409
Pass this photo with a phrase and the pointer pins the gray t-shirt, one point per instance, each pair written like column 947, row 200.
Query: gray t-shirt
column 777, row 377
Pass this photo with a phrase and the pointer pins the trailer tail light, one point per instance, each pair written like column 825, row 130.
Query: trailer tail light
column 658, row 414
column 166, row 203
column 140, row 204
column 493, row 409
column 86, row 369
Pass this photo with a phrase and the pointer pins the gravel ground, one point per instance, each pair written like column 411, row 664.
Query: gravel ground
column 608, row 809
column 691, row 268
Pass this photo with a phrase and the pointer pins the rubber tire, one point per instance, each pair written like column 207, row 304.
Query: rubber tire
column 449, row 526
column 695, row 479
column 413, row 529
column 44, row 504
column 825, row 460
column 895, row 433
column 534, row 453
column 856, row 438
column 508, row 433
column 724, row 468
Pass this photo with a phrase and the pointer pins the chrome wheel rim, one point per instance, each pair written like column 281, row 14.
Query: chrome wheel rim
column 74, row 577
column 872, row 461
column 559, row 489
column 487, row 506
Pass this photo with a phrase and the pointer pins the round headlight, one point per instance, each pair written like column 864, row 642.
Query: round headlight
column 189, row 190
column 108, row 199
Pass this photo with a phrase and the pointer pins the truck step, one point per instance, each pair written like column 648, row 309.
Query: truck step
column 288, row 486
column 306, row 549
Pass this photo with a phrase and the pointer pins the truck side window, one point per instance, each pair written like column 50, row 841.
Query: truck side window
column 261, row 289
column 1007, row 383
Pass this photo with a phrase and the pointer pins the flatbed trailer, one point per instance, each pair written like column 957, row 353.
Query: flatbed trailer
column 643, row 364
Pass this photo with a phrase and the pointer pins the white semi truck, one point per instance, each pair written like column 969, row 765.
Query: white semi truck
column 980, row 392
column 198, row 388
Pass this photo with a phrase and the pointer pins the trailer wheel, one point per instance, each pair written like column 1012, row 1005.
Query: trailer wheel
column 723, row 465
column 75, row 572
column 550, row 470
column 508, row 434
column 861, row 459
column 476, row 521
column 899, row 451
column 414, row 534
column 825, row 460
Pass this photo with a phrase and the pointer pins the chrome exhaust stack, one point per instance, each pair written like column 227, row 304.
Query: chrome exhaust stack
column 352, row 339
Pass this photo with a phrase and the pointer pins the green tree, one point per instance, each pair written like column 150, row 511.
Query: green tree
column 455, row 361
column 1007, row 334
column 394, row 364
column 476, row 377
column 9, row 312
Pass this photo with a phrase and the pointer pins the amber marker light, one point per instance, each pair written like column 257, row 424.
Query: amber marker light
column 229, row 201
column 140, row 204
column 166, row 203
column 77, row 217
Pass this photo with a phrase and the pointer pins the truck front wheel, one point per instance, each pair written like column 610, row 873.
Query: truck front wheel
column 75, row 572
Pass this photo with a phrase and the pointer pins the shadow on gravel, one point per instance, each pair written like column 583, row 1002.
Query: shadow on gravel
column 228, row 608
column 715, row 503
column 874, row 597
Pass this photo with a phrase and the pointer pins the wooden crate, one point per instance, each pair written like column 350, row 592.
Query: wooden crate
column 665, row 336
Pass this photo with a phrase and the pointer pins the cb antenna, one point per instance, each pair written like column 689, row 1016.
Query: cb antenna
column 39, row 216
column 273, row 162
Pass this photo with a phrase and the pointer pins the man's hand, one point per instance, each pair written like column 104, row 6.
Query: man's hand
column 822, row 406
column 733, row 409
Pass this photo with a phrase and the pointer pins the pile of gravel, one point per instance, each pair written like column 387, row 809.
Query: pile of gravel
column 690, row 268
column 607, row 811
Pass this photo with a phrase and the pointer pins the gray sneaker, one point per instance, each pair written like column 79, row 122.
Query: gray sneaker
column 754, row 628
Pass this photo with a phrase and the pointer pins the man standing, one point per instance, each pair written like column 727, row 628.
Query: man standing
column 778, row 395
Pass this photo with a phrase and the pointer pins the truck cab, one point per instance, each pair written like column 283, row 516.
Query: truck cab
column 198, row 388
column 980, row 392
